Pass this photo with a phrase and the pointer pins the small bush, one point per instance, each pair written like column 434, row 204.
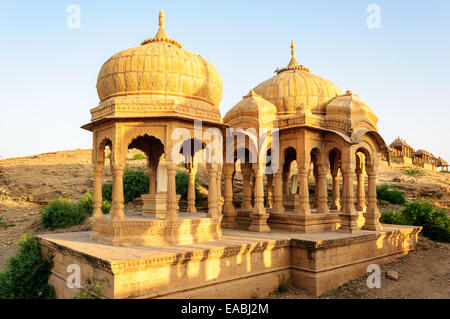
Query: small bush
column 27, row 274
column 135, row 183
column 435, row 221
column 2, row 222
column 92, row 289
column 412, row 171
column 61, row 213
column 181, row 181
column 85, row 204
column 107, row 192
column 445, row 172
column 393, row 217
column 138, row 157
column 390, row 194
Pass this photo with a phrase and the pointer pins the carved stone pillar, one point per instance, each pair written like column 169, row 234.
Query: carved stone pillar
column 229, row 213
column 336, row 195
column 372, row 214
column 117, row 192
column 317, row 185
column 252, row 193
column 278, row 206
column 361, row 192
column 348, row 216
column 259, row 215
column 152, row 186
column 246, row 188
column 269, row 191
column 172, row 202
column 97, row 196
column 212, row 191
column 192, row 170
column 302, row 206
column 219, row 188
column 285, row 183
column 321, row 189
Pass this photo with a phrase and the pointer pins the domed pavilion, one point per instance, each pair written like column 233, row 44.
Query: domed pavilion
column 308, row 157
column 150, row 99
column 325, row 133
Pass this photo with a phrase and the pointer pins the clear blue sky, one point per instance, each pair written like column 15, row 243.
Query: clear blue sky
column 48, row 71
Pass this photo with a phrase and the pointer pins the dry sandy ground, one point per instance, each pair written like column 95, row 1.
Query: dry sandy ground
column 423, row 273
column 28, row 183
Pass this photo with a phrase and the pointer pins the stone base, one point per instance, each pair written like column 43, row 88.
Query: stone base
column 349, row 223
column 241, row 264
column 259, row 223
column 155, row 205
column 139, row 230
column 294, row 222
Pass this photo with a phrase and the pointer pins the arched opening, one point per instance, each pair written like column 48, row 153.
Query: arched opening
column 314, row 174
column 363, row 162
column 243, row 159
column 191, row 150
column 335, row 157
column 290, row 178
column 103, row 154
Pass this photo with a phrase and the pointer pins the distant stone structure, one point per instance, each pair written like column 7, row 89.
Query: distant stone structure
column 425, row 160
column 401, row 151
column 442, row 164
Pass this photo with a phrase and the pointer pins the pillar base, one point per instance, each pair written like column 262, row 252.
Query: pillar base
column 155, row 205
column 229, row 221
column 349, row 223
column 259, row 223
column 372, row 222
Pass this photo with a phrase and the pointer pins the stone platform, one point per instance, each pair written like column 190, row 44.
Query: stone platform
column 241, row 264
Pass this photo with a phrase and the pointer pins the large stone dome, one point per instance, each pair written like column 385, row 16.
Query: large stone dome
column 160, row 67
column 294, row 86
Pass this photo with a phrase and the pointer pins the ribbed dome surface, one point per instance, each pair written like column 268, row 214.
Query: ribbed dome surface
column 159, row 67
column 294, row 86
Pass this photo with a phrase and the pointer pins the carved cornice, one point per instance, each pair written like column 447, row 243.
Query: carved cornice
column 158, row 108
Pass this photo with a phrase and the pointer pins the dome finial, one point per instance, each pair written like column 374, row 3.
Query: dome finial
column 293, row 49
column 293, row 61
column 161, row 34
column 161, row 18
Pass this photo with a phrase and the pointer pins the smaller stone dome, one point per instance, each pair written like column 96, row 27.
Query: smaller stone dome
column 348, row 112
column 251, row 111
column 294, row 86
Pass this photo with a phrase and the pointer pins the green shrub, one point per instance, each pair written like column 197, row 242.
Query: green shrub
column 390, row 194
column 2, row 222
column 393, row 217
column 138, row 157
column 107, row 192
column 412, row 171
column 181, row 181
column 435, row 221
column 85, row 204
column 92, row 289
column 445, row 172
column 135, row 183
column 26, row 276
column 61, row 213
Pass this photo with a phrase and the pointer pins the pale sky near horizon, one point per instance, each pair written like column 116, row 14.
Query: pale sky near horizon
column 401, row 70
